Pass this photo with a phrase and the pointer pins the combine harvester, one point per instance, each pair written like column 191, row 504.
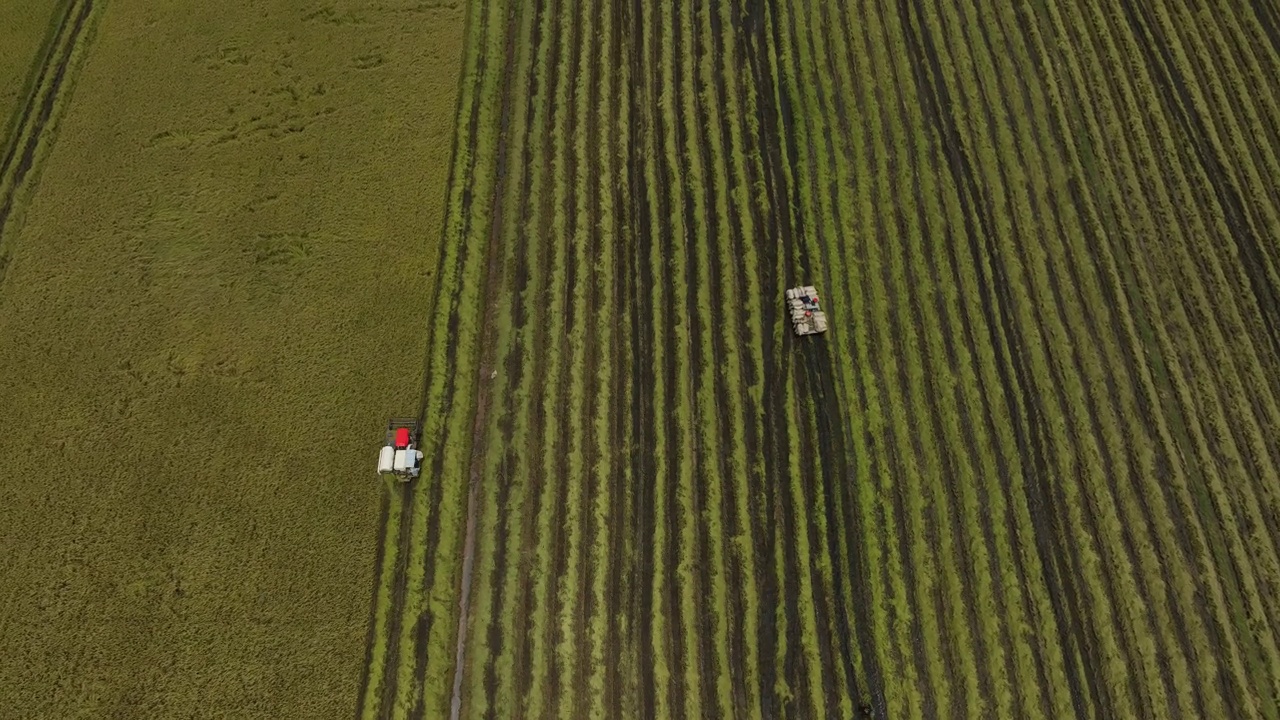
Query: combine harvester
column 807, row 317
column 400, row 455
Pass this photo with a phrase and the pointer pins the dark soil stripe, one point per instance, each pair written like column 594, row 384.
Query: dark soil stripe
column 618, row 591
column 508, row 282
column 1260, row 466
column 559, row 555
column 741, row 331
column 384, row 514
column 794, row 264
column 835, row 453
column 432, row 445
column 1146, row 522
column 643, row 424
column 830, row 452
column 590, row 183
column 538, row 216
column 767, row 173
column 521, row 366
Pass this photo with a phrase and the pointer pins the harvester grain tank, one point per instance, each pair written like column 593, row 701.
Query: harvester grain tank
column 807, row 316
column 400, row 456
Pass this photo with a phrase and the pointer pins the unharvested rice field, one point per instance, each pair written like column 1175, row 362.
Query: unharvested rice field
column 211, row 293
column 1030, row 472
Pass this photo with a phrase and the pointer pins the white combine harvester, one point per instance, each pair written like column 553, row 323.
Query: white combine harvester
column 400, row 455
column 807, row 317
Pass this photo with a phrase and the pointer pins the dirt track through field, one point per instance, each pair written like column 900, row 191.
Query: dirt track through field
column 1016, row 478
column 38, row 112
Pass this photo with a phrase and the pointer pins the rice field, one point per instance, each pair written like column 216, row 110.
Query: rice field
column 1031, row 471
column 217, row 227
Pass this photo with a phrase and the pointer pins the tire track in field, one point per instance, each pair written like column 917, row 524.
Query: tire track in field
column 742, row 220
column 1146, row 517
column 425, row 620
column 1268, row 18
column 1255, row 369
column 966, row 431
column 620, row 521
column 984, row 412
column 767, row 220
column 692, row 636
column 538, row 220
column 642, row 421
column 969, row 443
column 615, row 242
column 386, row 692
column 1218, row 171
column 556, row 444
column 689, row 143
column 727, row 240
column 912, row 531
column 771, row 222
column 724, row 236
column 1198, row 487
column 1253, row 111
column 1235, row 567
column 1026, row 412
column 668, row 179
column 591, row 185
column 431, row 558
column 1004, row 470
column 882, row 162
column 37, row 113
column 864, row 631
column 446, row 283
column 931, row 394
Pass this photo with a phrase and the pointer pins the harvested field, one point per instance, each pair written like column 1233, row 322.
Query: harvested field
column 1030, row 472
